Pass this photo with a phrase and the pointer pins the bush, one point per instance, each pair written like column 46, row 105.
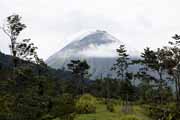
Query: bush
column 157, row 112
column 27, row 107
column 129, row 117
column 86, row 104
column 110, row 107
column 64, row 107
column 6, row 107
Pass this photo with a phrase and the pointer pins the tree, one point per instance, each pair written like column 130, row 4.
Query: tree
column 145, row 87
column 154, row 61
column 23, row 49
column 20, row 50
column 64, row 107
column 80, row 71
column 173, row 63
column 13, row 28
column 121, row 64
column 120, row 67
column 30, row 100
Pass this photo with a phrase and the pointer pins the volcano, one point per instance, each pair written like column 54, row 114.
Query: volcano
column 97, row 47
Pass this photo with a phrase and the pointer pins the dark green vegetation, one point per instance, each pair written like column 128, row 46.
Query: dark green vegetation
column 30, row 90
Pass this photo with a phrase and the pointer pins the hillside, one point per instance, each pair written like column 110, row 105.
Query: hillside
column 97, row 47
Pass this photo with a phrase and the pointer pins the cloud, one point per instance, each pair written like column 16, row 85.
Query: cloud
column 101, row 51
column 51, row 23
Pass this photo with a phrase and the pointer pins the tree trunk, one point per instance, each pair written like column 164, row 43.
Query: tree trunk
column 178, row 90
column 160, row 87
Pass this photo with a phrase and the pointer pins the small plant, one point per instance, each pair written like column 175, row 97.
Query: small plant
column 110, row 107
column 129, row 117
column 86, row 104
column 64, row 107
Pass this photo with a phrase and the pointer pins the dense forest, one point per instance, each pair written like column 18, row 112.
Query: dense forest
column 31, row 90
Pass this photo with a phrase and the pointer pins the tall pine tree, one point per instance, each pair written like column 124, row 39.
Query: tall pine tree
column 121, row 64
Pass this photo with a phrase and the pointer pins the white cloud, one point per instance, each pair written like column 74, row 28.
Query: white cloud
column 52, row 22
column 101, row 51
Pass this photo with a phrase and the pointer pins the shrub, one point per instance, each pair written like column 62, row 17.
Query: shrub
column 129, row 117
column 100, row 100
column 110, row 107
column 6, row 106
column 86, row 104
column 64, row 107
column 27, row 107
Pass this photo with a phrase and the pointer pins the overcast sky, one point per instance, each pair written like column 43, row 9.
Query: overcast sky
column 51, row 24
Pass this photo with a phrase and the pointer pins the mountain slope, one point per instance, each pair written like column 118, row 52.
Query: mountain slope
column 6, row 64
column 97, row 47
column 95, row 38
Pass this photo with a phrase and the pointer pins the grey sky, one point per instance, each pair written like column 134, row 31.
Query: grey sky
column 51, row 24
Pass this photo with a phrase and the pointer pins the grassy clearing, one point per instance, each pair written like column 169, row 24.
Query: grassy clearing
column 140, row 112
column 103, row 114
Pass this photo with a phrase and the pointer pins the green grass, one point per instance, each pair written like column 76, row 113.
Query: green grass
column 103, row 114
column 140, row 112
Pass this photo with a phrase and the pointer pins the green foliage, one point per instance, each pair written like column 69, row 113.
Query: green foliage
column 86, row 104
column 121, row 64
column 165, row 112
column 6, row 102
column 105, row 88
column 29, row 92
column 126, row 90
column 47, row 117
column 129, row 117
column 22, row 49
column 156, row 61
column 28, row 107
column 80, row 71
column 64, row 107
column 80, row 68
column 110, row 106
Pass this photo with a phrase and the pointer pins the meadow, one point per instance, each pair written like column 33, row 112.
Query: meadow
column 103, row 114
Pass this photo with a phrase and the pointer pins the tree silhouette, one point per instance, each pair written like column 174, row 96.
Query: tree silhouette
column 80, row 71
column 173, row 63
column 121, row 64
column 22, row 49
